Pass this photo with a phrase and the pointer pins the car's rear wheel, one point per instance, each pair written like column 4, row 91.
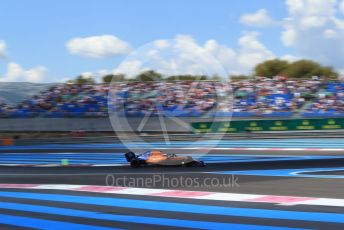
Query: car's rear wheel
column 135, row 163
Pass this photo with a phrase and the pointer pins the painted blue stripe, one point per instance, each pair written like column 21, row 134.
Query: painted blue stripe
column 117, row 158
column 28, row 161
column 58, row 162
column 131, row 218
column 180, row 207
column 28, row 222
column 81, row 158
column 304, row 143
column 121, row 156
column 48, row 156
column 59, row 159
column 339, row 146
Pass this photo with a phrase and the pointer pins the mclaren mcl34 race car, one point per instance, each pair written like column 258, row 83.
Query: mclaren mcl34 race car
column 159, row 158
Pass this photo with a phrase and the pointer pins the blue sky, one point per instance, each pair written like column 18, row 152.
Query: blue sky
column 35, row 32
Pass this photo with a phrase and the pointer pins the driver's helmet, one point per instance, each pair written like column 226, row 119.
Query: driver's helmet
column 169, row 155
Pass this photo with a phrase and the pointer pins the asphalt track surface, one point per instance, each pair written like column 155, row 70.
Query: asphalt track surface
column 61, row 209
column 296, row 186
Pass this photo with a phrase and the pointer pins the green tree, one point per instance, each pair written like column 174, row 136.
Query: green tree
column 271, row 68
column 239, row 77
column 84, row 80
column 216, row 78
column 297, row 69
column 307, row 69
column 187, row 77
column 113, row 77
column 149, row 75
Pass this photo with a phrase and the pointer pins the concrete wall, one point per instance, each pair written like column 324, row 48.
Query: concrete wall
column 104, row 124
column 91, row 124
column 55, row 124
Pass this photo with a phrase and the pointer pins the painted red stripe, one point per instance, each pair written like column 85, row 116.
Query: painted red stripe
column 18, row 185
column 280, row 199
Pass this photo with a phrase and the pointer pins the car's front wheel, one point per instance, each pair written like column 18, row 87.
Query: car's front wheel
column 195, row 164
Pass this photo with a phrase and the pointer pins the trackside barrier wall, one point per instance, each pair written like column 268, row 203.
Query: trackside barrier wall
column 85, row 125
column 187, row 125
column 268, row 125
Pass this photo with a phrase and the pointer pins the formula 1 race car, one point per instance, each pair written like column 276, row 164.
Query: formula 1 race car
column 159, row 158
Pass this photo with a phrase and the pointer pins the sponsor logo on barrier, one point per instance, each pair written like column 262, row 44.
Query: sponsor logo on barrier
column 278, row 126
column 270, row 125
column 331, row 124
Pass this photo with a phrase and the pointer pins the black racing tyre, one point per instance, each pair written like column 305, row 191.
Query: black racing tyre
column 129, row 156
column 195, row 164
column 135, row 163
column 189, row 164
column 201, row 163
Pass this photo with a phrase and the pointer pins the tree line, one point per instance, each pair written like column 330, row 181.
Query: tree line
column 301, row 69
column 298, row 69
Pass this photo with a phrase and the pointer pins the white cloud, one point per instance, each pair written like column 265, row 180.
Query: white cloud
column 3, row 49
column 311, row 7
column 312, row 21
column 330, row 33
column 252, row 51
column 16, row 73
column 183, row 55
column 161, row 44
column 102, row 46
column 341, row 6
column 130, row 68
column 314, row 29
column 86, row 75
column 261, row 18
column 294, row 6
column 290, row 58
column 288, row 35
column 306, row 17
column 223, row 53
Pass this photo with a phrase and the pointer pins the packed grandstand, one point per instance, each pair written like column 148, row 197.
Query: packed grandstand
column 259, row 97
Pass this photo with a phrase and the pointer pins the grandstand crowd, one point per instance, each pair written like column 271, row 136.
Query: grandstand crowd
column 277, row 97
